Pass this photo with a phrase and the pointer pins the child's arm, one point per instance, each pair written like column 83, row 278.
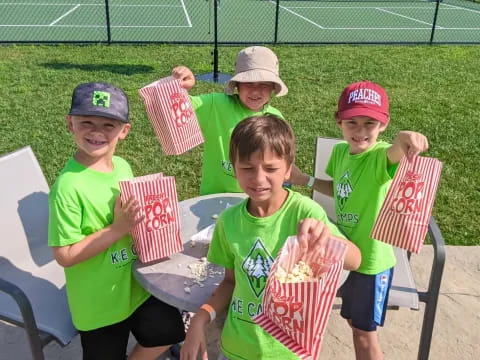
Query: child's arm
column 297, row 177
column 185, row 75
column 93, row 244
column 406, row 143
column 313, row 234
column 195, row 340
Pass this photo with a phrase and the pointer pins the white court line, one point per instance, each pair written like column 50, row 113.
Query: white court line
column 360, row 7
column 61, row 17
column 149, row 26
column 144, row 5
column 186, row 13
column 297, row 14
column 462, row 8
column 44, row 4
column 402, row 29
column 406, row 17
column 126, row 5
column 378, row 28
column 98, row 26
column 93, row 4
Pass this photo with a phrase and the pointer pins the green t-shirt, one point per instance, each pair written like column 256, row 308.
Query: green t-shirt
column 360, row 183
column 249, row 245
column 218, row 114
column 101, row 290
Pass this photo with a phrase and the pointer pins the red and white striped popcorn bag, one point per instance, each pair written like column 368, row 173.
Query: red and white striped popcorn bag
column 158, row 235
column 296, row 313
column 171, row 113
column 405, row 213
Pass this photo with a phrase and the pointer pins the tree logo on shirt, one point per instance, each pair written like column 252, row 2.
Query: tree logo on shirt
column 257, row 266
column 227, row 167
column 344, row 188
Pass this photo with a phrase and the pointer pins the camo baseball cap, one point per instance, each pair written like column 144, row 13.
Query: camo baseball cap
column 100, row 99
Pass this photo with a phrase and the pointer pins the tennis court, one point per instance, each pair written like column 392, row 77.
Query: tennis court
column 86, row 20
column 240, row 21
column 391, row 21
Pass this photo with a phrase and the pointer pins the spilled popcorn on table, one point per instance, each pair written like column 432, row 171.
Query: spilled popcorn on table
column 200, row 271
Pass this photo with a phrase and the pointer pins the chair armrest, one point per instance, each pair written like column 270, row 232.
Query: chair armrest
column 28, row 317
column 437, row 239
column 430, row 297
column 437, row 265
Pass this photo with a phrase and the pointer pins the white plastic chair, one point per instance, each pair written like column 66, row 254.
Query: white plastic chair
column 403, row 292
column 32, row 284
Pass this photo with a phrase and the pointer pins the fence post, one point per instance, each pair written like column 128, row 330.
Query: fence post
column 215, row 40
column 216, row 77
column 107, row 14
column 437, row 6
column 276, row 22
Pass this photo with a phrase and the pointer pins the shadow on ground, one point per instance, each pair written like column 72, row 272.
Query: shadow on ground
column 122, row 69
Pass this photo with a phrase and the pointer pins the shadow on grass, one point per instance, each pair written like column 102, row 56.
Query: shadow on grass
column 113, row 68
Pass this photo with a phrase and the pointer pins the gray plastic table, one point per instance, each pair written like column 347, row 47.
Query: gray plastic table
column 167, row 279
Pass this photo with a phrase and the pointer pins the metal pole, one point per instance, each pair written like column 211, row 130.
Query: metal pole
column 437, row 6
column 215, row 76
column 215, row 41
column 109, row 33
column 276, row 22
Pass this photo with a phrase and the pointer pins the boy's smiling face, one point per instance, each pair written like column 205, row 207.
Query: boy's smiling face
column 96, row 136
column 261, row 177
column 361, row 132
column 254, row 95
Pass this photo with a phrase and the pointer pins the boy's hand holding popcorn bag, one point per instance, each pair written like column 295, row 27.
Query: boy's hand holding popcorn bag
column 299, row 295
column 171, row 113
column 158, row 235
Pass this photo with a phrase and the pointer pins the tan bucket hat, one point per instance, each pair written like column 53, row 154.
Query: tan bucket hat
column 256, row 64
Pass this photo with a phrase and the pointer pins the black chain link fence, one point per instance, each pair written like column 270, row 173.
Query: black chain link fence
column 240, row 21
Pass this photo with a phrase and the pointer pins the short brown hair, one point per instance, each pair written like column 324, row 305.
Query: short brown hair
column 261, row 133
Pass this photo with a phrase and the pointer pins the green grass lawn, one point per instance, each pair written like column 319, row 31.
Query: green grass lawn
column 433, row 90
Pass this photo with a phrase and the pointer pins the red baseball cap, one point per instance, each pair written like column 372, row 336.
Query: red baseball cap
column 363, row 98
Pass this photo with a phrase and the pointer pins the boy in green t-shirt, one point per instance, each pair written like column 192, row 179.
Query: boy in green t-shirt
column 249, row 235
column 89, row 235
column 256, row 78
column 362, row 169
